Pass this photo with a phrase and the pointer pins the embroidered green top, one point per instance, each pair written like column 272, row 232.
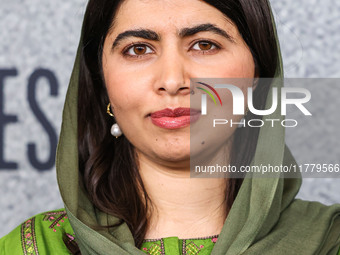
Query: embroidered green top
column 41, row 234
column 173, row 245
column 45, row 233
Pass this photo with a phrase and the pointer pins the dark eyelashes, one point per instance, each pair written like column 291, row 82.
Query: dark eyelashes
column 217, row 47
column 142, row 44
column 127, row 48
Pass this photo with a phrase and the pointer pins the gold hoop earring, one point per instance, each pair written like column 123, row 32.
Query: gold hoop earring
column 247, row 110
column 108, row 110
column 115, row 129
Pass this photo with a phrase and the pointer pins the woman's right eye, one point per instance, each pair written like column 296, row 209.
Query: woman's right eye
column 137, row 50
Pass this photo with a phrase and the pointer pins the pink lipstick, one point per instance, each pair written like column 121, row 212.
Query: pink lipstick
column 176, row 118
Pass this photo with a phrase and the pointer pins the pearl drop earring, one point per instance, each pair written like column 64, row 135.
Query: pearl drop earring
column 115, row 129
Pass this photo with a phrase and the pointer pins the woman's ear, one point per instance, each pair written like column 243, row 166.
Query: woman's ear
column 256, row 78
column 255, row 82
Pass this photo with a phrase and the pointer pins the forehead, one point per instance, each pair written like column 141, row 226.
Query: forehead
column 167, row 15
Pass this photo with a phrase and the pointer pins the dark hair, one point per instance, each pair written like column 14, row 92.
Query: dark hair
column 108, row 166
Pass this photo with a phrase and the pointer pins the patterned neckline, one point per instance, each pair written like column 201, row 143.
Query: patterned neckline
column 184, row 239
column 172, row 245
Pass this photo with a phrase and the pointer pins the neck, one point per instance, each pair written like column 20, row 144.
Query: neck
column 182, row 206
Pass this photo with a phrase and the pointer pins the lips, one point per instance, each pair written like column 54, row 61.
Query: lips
column 174, row 118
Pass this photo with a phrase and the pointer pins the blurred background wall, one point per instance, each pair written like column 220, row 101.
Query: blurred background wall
column 38, row 43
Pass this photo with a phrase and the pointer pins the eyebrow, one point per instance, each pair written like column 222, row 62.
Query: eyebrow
column 189, row 31
column 141, row 33
column 184, row 32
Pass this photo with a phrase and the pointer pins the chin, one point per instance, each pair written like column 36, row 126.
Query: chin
column 177, row 159
column 172, row 154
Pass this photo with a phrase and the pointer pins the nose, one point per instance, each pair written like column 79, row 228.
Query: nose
column 173, row 77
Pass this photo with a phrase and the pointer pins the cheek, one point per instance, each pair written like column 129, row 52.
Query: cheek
column 240, row 65
column 124, row 90
column 236, row 63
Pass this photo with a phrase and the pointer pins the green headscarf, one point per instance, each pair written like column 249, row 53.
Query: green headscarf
column 265, row 217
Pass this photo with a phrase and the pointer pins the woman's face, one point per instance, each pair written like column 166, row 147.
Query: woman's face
column 149, row 56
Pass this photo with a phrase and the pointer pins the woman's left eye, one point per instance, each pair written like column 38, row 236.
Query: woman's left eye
column 204, row 46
